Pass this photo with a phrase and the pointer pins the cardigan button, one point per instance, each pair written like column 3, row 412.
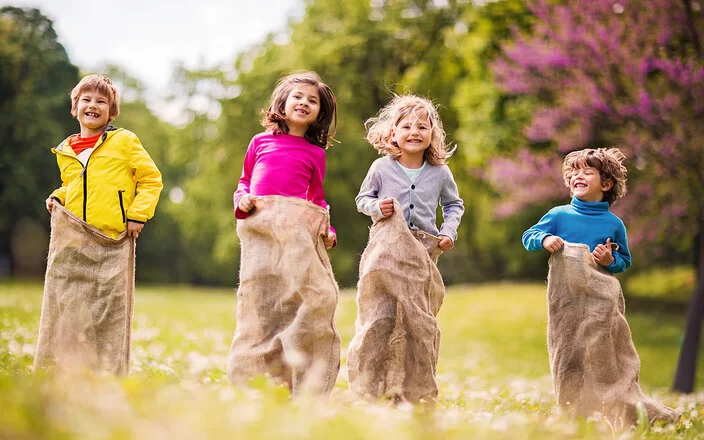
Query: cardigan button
column 411, row 206
column 413, row 187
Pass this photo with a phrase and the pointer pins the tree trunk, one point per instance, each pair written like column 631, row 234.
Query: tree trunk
column 687, row 365
column 689, row 14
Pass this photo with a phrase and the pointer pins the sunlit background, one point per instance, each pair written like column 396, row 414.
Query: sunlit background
column 519, row 84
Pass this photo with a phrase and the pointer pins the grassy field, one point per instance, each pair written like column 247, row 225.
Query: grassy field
column 493, row 376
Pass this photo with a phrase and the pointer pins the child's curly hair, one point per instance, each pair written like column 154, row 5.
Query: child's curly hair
column 320, row 132
column 608, row 161
column 103, row 85
column 379, row 128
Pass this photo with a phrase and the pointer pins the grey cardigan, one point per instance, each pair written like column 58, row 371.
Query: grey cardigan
column 434, row 186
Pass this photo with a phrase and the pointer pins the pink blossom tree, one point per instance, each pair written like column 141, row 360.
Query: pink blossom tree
column 627, row 73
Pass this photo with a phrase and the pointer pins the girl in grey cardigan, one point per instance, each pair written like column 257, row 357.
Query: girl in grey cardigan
column 409, row 133
column 394, row 351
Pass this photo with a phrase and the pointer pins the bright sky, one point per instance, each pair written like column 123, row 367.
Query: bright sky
column 147, row 38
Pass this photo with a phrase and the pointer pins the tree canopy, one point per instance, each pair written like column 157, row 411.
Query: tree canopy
column 35, row 80
column 518, row 85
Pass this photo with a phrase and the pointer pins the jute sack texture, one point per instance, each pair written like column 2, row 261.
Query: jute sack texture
column 593, row 361
column 394, row 352
column 88, row 299
column 286, row 299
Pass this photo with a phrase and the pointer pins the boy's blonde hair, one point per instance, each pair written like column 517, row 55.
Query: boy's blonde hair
column 103, row 85
column 320, row 132
column 608, row 161
column 379, row 128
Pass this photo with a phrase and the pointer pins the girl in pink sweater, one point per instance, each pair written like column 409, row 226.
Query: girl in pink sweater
column 288, row 159
column 287, row 295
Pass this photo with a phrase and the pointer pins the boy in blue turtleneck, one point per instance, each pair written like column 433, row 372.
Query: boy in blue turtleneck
column 596, row 179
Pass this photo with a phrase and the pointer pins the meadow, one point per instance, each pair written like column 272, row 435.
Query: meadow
column 493, row 376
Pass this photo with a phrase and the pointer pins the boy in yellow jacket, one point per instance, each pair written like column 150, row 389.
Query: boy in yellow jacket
column 109, row 179
column 110, row 188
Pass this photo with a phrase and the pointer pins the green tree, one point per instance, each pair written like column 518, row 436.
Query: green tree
column 35, row 80
column 367, row 52
column 483, row 121
column 363, row 51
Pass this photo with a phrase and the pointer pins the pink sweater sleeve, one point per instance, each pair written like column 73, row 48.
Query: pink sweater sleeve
column 316, row 194
column 245, row 180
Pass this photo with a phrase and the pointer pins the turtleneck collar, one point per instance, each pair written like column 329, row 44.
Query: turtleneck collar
column 589, row 207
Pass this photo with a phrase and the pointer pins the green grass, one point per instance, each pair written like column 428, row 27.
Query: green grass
column 493, row 376
column 670, row 284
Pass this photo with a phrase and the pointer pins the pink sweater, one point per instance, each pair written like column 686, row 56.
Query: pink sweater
column 284, row 165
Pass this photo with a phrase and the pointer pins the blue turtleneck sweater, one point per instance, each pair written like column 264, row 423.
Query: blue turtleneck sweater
column 590, row 223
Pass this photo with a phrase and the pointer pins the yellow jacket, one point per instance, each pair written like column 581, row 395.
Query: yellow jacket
column 120, row 182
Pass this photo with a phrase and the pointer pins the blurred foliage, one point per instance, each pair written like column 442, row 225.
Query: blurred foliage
column 595, row 80
column 666, row 284
column 366, row 51
column 35, row 80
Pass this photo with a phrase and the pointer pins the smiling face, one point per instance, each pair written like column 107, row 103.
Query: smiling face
column 412, row 134
column 587, row 186
column 301, row 108
column 92, row 112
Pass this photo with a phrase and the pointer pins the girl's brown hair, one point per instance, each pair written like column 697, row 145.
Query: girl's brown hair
column 380, row 127
column 101, row 84
column 320, row 132
column 608, row 161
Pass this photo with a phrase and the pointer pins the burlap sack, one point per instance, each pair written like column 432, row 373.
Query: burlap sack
column 286, row 299
column 88, row 300
column 593, row 361
column 394, row 352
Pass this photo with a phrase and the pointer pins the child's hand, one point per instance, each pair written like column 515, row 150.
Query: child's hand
column 387, row 207
column 246, row 203
column 329, row 239
column 445, row 243
column 49, row 204
column 602, row 254
column 134, row 228
column 553, row 243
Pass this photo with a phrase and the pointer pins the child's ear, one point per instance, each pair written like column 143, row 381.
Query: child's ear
column 607, row 185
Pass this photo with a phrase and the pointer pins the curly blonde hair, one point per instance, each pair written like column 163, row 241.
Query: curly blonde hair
column 607, row 161
column 320, row 132
column 380, row 127
column 103, row 85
